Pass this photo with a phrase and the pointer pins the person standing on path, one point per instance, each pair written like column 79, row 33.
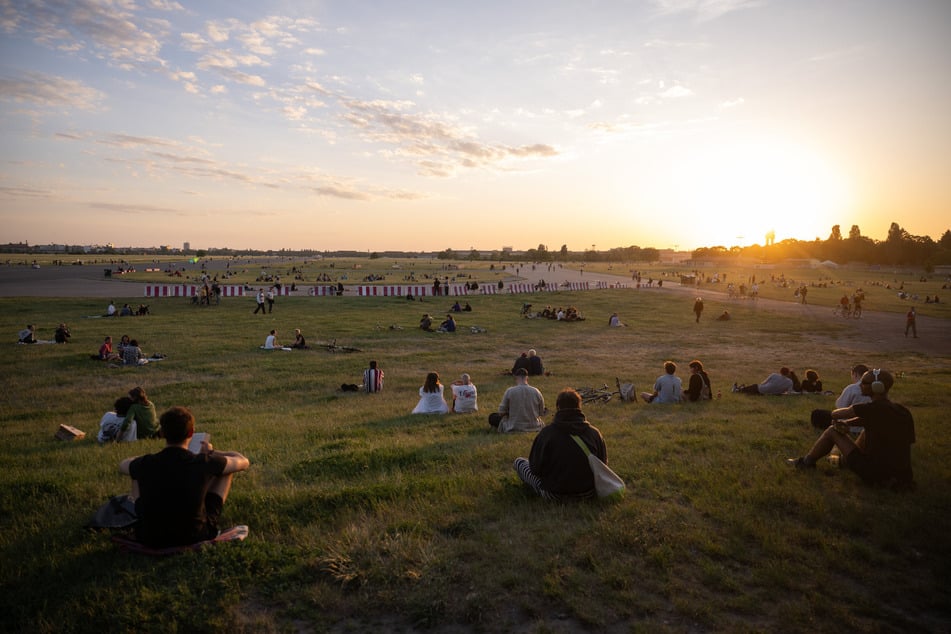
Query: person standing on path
column 910, row 320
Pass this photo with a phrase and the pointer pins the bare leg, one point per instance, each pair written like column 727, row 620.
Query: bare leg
column 222, row 486
column 830, row 438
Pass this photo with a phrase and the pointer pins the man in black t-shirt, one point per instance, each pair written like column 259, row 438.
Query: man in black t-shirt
column 882, row 452
column 178, row 494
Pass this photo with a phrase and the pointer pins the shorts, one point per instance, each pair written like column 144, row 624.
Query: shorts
column 213, row 507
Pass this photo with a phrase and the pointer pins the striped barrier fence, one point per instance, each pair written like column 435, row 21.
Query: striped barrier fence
column 399, row 290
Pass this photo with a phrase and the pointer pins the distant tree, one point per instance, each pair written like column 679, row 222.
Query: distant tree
column 474, row 255
column 201, row 253
column 836, row 234
column 854, row 233
column 374, row 256
column 564, row 252
column 945, row 241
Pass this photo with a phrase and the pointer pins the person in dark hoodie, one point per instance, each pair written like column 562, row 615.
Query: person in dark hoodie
column 557, row 468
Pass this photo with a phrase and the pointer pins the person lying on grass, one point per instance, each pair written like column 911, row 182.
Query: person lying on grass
column 178, row 494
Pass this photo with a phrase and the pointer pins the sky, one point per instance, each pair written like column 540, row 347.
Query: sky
column 397, row 125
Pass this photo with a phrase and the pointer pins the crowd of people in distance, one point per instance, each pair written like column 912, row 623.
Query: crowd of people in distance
column 126, row 310
column 569, row 313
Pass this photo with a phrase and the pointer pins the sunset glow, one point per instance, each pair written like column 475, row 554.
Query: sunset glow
column 433, row 125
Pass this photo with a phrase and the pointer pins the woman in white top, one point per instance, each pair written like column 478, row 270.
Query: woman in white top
column 431, row 400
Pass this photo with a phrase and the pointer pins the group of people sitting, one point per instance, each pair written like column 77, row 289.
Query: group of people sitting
column 559, row 314
column 126, row 310
column 127, row 352
column 448, row 325
column 786, row 381
column 668, row 388
column 271, row 342
column 28, row 335
column 132, row 417
column 432, row 401
column 179, row 494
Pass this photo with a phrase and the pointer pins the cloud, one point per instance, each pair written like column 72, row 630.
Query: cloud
column 50, row 91
column 732, row 103
column 134, row 209
column 106, row 28
column 440, row 146
column 25, row 192
column 676, row 92
column 705, row 10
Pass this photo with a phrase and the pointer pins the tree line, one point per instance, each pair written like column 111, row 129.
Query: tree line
column 899, row 248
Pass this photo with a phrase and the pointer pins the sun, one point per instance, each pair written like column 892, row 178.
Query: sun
column 746, row 190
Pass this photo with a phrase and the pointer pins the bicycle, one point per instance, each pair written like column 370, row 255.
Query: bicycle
column 604, row 393
column 333, row 347
column 601, row 394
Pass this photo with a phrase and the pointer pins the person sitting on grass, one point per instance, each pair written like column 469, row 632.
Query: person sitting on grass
column 774, row 384
column 881, row 455
column 62, row 334
column 142, row 412
column 426, row 323
column 115, row 426
column 851, row 394
column 179, row 495
column 667, row 388
column 812, row 384
column 105, row 351
column 27, row 335
column 132, row 354
column 557, row 468
column 449, row 325
column 615, row 322
column 270, row 342
column 372, row 379
column 521, row 408
column 299, row 343
column 431, row 399
column 535, row 365
column 464, row 395
column 698, row 389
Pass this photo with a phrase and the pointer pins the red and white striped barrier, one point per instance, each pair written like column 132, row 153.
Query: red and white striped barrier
column 399, row 290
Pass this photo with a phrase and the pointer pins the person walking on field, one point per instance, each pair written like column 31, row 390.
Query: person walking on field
column 260, row 301
column 910, row 320
column 698, row 308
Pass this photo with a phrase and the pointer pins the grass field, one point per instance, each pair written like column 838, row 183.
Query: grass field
column 366, row 518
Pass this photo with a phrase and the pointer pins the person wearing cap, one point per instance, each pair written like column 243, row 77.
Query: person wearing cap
column 881, row 454
column 521, row 408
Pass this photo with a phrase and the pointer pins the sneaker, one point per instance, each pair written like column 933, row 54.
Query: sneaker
column 799, row 463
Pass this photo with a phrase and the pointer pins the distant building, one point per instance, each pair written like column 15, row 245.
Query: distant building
column 187, row 246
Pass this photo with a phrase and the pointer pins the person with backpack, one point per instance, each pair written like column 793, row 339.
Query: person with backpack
column 698, row 388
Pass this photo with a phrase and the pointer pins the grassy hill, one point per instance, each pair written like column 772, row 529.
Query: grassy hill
column 365, row 517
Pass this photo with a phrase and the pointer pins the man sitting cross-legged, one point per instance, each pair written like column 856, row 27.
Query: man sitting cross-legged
column 179, row 495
